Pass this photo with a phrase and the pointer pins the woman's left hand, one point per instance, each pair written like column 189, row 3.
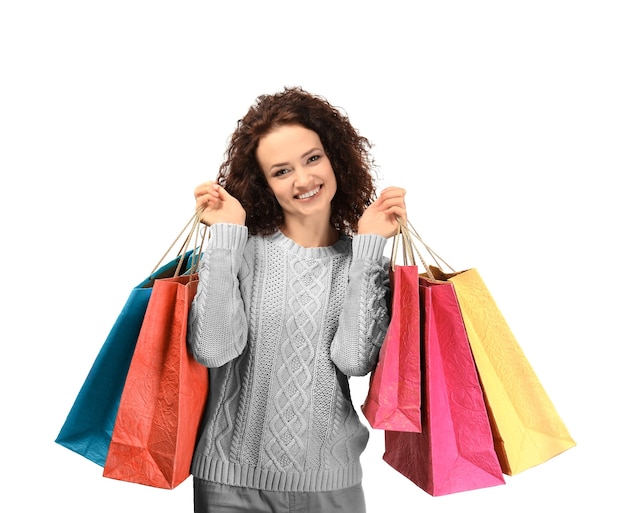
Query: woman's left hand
column 380, row 217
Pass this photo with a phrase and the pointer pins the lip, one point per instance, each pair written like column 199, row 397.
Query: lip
column 309, row 194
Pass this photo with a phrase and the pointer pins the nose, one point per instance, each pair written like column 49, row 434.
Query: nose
column 300, row 177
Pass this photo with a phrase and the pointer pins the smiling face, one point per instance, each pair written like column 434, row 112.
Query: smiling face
column 299, row 173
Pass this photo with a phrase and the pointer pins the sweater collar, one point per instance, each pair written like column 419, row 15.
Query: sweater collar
column 284, row 242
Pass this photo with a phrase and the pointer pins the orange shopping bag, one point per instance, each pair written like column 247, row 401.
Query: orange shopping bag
column 164, row 395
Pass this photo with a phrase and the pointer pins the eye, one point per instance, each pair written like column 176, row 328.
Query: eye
column 313, row 158
column 281, row 172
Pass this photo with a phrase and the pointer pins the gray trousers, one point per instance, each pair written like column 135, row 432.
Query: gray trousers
column 218, row 498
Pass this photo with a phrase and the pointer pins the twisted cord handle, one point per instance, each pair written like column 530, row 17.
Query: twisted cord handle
column 195, row 230
column 409, row 235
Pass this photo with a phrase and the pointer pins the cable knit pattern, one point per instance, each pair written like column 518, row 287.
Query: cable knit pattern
column 281, row 328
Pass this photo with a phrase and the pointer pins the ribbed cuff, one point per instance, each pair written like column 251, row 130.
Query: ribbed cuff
column 368, row 247
column 228, row 236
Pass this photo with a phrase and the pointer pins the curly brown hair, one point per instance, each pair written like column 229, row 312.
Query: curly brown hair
column 349, row 153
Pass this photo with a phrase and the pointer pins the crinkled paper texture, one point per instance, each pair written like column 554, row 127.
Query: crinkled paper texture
column 393, row 400
column 88, row 427
column 527, row 427
column 164, row 396
column 454, row 452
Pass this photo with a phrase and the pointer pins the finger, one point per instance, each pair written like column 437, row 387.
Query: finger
column 206, row 188
column 221, row 193
column 389, row 211
column 396, row 211
column 393, row 192
column 208, row 201
column 388, row 203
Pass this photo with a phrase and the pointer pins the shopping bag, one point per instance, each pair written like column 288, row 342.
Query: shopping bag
column 455, row 451
column 89, row 423
column 164, row 395
column 527, row 427
column 393, row 401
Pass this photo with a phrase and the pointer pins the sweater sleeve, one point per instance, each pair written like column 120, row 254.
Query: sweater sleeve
column 218, row 328
column 365, row 315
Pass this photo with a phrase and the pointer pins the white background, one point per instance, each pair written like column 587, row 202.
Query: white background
column 505, row 122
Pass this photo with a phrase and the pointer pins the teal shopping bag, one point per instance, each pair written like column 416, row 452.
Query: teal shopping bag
column 89, row 425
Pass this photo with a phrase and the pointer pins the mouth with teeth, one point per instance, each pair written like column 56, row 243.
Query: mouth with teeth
column 308, row 194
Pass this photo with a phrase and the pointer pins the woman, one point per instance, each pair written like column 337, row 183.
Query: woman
column 292, row 300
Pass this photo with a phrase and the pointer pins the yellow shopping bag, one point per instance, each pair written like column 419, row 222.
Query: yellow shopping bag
column 526, row 427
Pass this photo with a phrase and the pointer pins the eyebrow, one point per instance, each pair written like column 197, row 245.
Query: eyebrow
column 305, row 154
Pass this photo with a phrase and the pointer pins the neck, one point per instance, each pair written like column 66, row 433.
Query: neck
column 310, row 233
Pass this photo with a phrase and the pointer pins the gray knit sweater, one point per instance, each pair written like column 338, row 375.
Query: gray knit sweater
column 281, row 327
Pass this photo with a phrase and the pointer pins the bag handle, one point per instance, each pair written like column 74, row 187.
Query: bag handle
column 401, row 239
column 409, row 235
column 200, row 236
column 195, row 233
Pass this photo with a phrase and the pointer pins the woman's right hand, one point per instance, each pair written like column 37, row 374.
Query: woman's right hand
column 219, row 206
